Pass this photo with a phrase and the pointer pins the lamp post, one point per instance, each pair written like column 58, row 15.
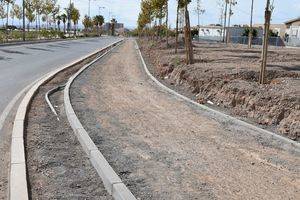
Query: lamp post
column 100, row 9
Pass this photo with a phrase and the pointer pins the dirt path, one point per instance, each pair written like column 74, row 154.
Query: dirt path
column 164, row 148
column 57, row 166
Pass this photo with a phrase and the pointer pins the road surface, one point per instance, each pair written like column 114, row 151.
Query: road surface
column 165, row 148
column 20, row 65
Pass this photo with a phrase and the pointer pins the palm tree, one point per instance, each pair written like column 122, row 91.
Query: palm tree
column 58, row 18
column 19, row 14
column 64, row 20
column 29, row 13
column 55, row 12
column 2, row 12
column 8, row 2
column 12, row 14
column 87, row 22
column 75, row 15
column 16, row 12
column 98, row 21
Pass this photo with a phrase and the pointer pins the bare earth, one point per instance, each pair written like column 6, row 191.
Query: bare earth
column 165, row 148
column 57, row 166
column 227, row 76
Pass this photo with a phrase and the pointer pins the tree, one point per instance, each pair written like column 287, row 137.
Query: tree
column 38, row 6
column 16, row 12
column 64, row 20
column 159, row 8
column 48, row 8
column 29, row 13
column 98, row 21
column 231, row 3
column 55, row 12
column 268, row 14
column 8, row 2
column 75, row 15
column 199, row 10
column 251, row 28
column 187, row 33
column 113, row 26
column 2, row 13
column 58, row 18
column 87, row 22
column 177, row 22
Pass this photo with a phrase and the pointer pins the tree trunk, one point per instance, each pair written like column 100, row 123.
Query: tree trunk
column 167, row 25
column 251, row 27
column 177, row 32
column 225, row 30
column 7, row 13
column 265, row 44
column 228, row 28
column 188, row 38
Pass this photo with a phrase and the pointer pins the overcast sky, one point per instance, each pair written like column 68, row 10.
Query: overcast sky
column 126, row 11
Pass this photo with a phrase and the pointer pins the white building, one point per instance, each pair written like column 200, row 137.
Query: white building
column 293, row 32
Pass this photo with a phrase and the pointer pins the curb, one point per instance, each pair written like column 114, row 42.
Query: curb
column 112, row 182
column 18, row 176
column 277, row 140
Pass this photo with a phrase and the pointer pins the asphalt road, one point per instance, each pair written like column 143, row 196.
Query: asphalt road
column 20, row 65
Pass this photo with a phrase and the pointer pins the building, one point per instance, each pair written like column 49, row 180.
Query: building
column 106, row 26
column 293, row 32
column 215, row 32
column 280, row 29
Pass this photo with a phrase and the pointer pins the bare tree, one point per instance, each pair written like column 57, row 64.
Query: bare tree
column 251, row 26
column 268, row 14
column 231, row 3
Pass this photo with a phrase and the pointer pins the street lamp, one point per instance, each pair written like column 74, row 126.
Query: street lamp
column 90, row 8
column 100, row 9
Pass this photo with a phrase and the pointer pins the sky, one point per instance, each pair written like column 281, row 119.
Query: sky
column 126, row 11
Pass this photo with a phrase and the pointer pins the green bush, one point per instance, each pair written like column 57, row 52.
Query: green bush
column 247, row 30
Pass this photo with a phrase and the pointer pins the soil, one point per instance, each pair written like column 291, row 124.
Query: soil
column 57, row 166
column 165, row 148
column 227, row 77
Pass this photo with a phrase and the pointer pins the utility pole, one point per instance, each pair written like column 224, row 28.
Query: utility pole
column 268, row 14
column 100, row 9
column 23, row 11
column 224, row 32
column 231, row 3
column 251, row 27
column 89, row 8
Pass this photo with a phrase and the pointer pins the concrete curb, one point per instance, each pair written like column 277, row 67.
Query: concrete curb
column 18, row 188
column 276, row 139
column 112, row 182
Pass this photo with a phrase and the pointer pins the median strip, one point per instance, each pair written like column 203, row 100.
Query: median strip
column 111, row 180
column 18, row 188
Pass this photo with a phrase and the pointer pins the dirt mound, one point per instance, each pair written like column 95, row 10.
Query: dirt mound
column 228, row 76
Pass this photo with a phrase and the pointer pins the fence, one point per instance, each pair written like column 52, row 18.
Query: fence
column 294, row 42
column 273, row 41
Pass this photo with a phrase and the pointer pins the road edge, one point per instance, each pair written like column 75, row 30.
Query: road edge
column 112, row 182
column 18, row 188
column 283, row 142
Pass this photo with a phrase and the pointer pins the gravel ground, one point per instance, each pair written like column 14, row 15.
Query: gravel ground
column 164, row 148
column 228, row 75
column 57, row 166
